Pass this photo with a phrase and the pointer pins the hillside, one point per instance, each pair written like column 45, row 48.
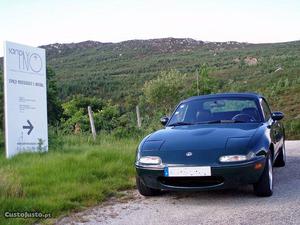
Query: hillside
column 116, row 70
column 112, row 70
column 96, row 68
column 108, row 69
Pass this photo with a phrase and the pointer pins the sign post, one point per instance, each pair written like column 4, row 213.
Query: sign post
column 25, row 91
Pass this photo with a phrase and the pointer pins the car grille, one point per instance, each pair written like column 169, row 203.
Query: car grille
column 191, row 181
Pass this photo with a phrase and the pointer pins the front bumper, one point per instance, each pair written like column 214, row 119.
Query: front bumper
column 222, row 176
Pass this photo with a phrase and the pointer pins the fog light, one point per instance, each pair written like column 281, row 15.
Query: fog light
column 150, row 160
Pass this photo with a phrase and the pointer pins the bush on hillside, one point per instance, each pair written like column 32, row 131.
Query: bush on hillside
column 108, row 117
column 75, row 113
column 166, row 90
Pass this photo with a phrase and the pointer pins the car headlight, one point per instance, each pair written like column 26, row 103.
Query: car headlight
column 150, row 160
column 237, row 158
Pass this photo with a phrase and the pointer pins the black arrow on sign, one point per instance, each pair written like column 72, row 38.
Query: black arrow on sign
column 29, row 127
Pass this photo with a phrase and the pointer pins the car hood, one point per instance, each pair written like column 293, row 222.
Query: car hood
column 206, row 142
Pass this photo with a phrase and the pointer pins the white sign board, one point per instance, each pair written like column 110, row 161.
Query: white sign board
column 25, row 88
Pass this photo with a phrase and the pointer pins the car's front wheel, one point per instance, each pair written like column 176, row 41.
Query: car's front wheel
column 281, row 158
column 264, row 187
column 144, row 190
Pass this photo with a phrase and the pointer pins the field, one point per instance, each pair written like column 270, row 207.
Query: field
column 78, row 174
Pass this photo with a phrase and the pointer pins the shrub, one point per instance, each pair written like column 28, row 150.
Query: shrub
column 292, row 128
column 75, row 112
column 166, row 90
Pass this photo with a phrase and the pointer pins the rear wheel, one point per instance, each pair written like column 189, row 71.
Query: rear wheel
column 144, row 190
column 281, row 158
column 264, row 187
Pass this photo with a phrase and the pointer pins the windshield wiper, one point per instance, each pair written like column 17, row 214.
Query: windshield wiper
column 217, row 121
column 180, row 124
column 206, row 122
column 240, row 121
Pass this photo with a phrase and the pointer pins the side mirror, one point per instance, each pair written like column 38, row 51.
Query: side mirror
column 277, row 115
column 164, row 120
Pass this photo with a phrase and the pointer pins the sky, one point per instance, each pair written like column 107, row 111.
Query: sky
column 39, row 22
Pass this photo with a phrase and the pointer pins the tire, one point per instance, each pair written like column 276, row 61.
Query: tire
column 144, row 190
column 281, row 158
column 264, row 187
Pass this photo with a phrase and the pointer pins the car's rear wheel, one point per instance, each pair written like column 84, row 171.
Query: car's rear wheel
column 264, row 187
column 281, row 158
column 144, row 190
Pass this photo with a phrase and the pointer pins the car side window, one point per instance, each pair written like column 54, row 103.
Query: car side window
column 179, row 115
column 266, row 110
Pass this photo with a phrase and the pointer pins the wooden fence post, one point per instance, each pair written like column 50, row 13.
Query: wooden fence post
column 138, row 117
column 92, row 122
column 197, row 76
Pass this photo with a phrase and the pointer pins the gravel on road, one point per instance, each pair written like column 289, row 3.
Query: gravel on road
column 234, row 206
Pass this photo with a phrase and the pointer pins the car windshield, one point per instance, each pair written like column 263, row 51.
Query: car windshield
column 218, row 110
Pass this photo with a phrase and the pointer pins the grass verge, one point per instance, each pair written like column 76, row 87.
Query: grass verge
column 77, row 174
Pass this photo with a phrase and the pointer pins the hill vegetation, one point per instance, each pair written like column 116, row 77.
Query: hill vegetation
column 115, row 70
column 120, row 72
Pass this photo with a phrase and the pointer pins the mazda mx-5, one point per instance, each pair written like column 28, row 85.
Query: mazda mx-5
column 213, row 142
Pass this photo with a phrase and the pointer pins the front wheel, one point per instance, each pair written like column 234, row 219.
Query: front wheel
column 281, row 158
column 264, row 187
column 144, row 190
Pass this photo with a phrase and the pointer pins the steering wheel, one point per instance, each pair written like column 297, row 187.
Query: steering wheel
column 243, row 117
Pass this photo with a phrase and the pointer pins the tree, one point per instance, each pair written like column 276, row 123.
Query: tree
column 166, row 90
column 53, row 102
column 205, row 84
column 108, row 117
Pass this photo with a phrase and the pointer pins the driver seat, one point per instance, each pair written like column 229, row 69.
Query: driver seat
column 251, row 111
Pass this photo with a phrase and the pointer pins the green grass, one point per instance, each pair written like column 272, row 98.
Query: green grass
column 78, row 174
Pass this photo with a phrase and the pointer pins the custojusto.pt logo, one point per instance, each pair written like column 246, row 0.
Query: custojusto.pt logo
column 27, row 61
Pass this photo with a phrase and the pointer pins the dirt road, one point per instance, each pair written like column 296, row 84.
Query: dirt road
column 239, row 206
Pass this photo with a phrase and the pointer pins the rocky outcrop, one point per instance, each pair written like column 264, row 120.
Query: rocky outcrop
column 250, row 61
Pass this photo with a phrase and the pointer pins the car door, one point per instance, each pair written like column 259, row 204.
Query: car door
column 276, row 130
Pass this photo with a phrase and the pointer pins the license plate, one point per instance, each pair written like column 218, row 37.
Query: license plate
column 197, row 171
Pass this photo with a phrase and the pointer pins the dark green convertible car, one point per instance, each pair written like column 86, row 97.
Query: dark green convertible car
column 213, row 142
